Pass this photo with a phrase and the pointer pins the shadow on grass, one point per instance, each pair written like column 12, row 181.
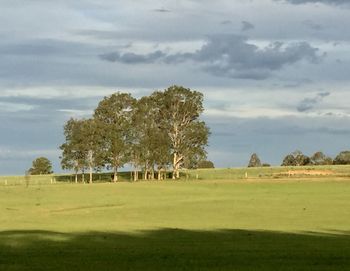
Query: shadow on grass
column 171, row 249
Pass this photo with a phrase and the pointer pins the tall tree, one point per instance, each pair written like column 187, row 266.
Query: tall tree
column 150, row 143
column 319, row 158
column 192, row 148
column 90, row 145
column 254, row 161
column 289, row 160
column 72, row 150
column 179, row 111
column 343, row 158
column 80, row 151
column 296, row 158
column 301, row 159
column 40, row 166
column 113, row 117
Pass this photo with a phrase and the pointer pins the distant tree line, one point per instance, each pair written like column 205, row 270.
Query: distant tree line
column 255, row 161
column 297, row 158
column 153, row 134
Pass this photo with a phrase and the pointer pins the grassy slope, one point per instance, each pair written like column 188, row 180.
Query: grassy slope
column 205, row 225
column 201, row 174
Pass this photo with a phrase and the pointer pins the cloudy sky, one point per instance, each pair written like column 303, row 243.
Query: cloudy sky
column 275, row 73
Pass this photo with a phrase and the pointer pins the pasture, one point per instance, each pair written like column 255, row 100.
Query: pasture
column 217, row 224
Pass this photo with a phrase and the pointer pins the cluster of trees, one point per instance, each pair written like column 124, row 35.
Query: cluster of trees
column 297, row 158
column 255, row 161
column 40, row 166
column 153, row 133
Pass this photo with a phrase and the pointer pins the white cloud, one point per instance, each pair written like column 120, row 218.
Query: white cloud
column 15, row 107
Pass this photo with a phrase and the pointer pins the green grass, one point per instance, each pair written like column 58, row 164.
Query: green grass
column 199, row 174
column 261, row 172
column 283, row 224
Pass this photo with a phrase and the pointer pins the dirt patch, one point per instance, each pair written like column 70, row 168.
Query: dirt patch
column 86, row 207
column 307, row 172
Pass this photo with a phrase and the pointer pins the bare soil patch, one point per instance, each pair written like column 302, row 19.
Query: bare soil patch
column 308, row 172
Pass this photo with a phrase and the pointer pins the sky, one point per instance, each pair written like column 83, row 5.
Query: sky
column 274, row 73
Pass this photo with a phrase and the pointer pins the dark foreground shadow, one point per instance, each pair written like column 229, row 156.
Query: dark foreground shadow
column 172, row 249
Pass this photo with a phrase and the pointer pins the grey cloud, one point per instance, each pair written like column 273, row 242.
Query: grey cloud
column 309, row 103
column 326, row 2
column 162, row 10
column 53, row 62
column 324, row 94
column 312, row 25
column 231, row 56
column 44, row 106
column 130, row 58
column 247, row 26
column 258, row 135
column 42, row 47
column 297, row 83
column 226, row 22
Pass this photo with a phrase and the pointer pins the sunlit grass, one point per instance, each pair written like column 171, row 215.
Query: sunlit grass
column 241, row 224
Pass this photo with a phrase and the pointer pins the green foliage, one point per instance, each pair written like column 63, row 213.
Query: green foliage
column 151, row 145
column 343, row 158
column 81, row 149
column 205, row 164
column 289, row 160
column 72, row 150
column 149, row 133
column 113, row 117
column 41, row 166
column 179, row 110
column 254, row 161
column 319, row 159
column 177, row 226
column 296, row 158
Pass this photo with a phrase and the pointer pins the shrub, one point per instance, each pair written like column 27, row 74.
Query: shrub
column 205, row 164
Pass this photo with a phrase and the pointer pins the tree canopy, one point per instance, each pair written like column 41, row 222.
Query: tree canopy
column 343, row 158
column 150, row 133
column 254, row 161
column 319, row 159
column 205, row 164
column 296, row 158
column 41, row 165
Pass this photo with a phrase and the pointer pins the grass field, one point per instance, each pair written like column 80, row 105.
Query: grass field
column 283, row 224
column 199, row 174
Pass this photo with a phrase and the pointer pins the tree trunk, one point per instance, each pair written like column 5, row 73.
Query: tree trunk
column 159, row 174
column 152, row 173
column 177, row 173
column 146, row 175
column 90, row 179
column 115, row 175
column 83, row 177
column 174, row 165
